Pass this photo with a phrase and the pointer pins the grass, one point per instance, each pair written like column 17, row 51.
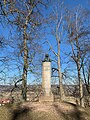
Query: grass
column 4, row 113
column 54, row 112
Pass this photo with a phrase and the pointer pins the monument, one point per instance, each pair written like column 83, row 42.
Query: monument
column 46, row 80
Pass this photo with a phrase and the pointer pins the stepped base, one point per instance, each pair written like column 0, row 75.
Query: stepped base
column 46, row 98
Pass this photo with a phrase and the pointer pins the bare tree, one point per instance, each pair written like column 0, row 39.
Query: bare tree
column 77, row 32
column 25, row 16
column 56, row 20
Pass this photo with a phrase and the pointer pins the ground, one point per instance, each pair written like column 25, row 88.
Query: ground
column 44, row 111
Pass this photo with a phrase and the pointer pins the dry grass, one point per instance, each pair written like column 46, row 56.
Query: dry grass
column 44, row 111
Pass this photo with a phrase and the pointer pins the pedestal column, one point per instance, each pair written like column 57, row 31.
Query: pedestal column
column 46, row 80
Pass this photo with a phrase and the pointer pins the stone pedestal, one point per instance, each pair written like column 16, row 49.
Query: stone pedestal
column 46, row 80
column 46, row 77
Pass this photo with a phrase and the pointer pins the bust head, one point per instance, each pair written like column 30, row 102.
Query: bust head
column 47, row 59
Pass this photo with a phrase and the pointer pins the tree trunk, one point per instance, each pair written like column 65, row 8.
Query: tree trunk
column 24, row 76
column 80, row 86
column 59, row 73
column 79, row 74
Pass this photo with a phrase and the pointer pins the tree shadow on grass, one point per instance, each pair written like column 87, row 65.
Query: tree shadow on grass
column 74, row 114
column 20, row 113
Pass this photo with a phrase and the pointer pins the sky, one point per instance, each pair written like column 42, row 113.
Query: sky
column 5, row 31
column 73, row 3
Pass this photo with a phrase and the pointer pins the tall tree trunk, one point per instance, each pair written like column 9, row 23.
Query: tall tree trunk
column 24, row 76
column 79, row 74
column 80, row 86
column 78, row 64
column 59, row 73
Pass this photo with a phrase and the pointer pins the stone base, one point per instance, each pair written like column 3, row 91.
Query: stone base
column 46, row 98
